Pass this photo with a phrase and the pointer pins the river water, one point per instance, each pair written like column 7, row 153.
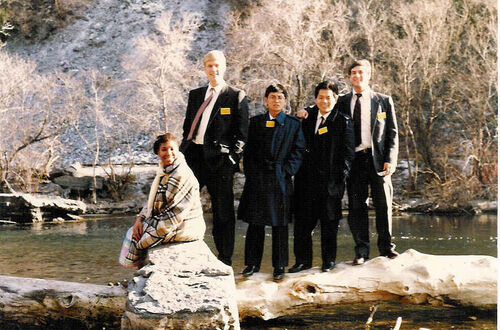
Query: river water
column 87, row 251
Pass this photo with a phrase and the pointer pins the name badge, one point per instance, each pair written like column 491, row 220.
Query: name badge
column 225, row 111
column 270, row 123
column 322, row 130
column 381, row 115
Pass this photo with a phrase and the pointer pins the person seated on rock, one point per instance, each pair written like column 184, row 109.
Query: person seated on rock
column 173, row 212
column 272, row 156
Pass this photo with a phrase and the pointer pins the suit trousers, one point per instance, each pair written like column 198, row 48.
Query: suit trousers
column 363, row 176
column 219, row 184
column 254, row 245
column 317, row 206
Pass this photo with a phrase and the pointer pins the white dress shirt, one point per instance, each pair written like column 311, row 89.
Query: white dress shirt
column 205, row 117
column 366, row 134
column 318, row 119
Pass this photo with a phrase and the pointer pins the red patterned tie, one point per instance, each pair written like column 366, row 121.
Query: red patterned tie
column 200, row 112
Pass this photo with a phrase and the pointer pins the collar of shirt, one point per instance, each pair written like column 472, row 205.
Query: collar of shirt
column 325, row 115
column 363, row 93
column 217, row 88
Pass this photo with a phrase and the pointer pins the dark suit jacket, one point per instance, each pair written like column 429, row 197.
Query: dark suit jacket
column 267, row 193
column 336, row 154
column 228, row 125
column 384, row 128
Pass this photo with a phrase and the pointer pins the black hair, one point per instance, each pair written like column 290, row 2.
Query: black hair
column 276, row 88
column 327, row 84
column 162, row 139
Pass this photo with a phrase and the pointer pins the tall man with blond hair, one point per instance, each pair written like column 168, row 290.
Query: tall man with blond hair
column 376, row 153
column 215, row 132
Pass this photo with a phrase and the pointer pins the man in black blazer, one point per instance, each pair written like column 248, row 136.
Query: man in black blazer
column 376, row 146
column 215, row 132
column 320, row 182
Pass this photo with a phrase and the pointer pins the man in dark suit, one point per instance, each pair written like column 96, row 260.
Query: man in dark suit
column 272, row 156
column 215, row 132
column 376, row 146
column 320, row 182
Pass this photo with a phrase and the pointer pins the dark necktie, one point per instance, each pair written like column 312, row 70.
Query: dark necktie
column 199, row 113
column 320, row 123
column 357, row 120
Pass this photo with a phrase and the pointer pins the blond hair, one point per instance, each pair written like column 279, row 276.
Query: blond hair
column 215, row 55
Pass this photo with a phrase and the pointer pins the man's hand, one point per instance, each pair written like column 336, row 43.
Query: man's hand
column 302, row 114
column 387, row 168
column 137, row 229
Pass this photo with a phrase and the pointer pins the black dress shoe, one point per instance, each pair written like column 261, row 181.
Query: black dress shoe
column 391, row 254
column 327, row 266
column 279, row 273
column 249, row 270
column 358, row 261
column 298, row 267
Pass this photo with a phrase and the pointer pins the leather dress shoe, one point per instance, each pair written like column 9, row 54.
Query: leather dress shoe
column 391, row 254
column 298, row 267
column 279, row 273
column 327, row 266
column 249, row 270
column 358, row 261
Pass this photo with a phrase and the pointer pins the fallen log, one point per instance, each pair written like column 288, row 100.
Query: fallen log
column 33, row 302
column 411, row 278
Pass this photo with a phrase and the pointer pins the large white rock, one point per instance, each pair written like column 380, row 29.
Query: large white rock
column 184, row 287
column 412, row 277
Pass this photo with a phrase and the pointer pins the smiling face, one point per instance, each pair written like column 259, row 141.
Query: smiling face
column 360, row 78
column 168, row 152
column 325, row 100
column 215, row 69
column 275, row 102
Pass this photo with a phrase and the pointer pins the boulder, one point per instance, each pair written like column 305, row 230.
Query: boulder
column 36, row 303
column 183, row 287
column 412, row 277
column 28, row 208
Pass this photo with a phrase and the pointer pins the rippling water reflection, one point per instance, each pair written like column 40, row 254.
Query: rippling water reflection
column 87, row 251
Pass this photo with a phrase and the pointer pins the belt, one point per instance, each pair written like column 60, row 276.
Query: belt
column 365, row 151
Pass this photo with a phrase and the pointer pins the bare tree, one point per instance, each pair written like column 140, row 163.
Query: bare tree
column 295, row 42
column 162, row 70
column 31, row 118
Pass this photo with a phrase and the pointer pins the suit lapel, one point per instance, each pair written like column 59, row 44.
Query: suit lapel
column 278, row 134
column 347, row 106
column 221, row 99
column 374, row 109
column 311, row 122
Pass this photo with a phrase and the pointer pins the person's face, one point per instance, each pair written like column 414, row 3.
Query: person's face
column 168, row 152
column 215, row 69
column 275, row 102
column 325, row 100
column 360, row 78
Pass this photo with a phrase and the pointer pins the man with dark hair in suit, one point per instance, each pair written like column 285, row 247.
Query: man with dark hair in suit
column 376, row 147
column 320, row 182
column 272, row 157
column 215, row 132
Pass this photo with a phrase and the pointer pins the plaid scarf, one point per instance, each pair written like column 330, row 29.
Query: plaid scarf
column 174, row 197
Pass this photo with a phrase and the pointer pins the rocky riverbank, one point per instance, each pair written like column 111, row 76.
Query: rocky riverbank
column 77, row 185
